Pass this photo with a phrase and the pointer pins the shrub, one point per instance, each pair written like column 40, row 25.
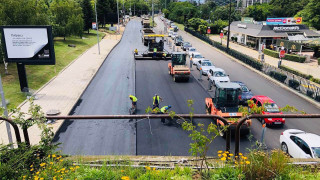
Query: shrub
column 289, row 57
column 295, row 72
column 294, row 83
column 318, row 61
column 278, row 76
column 232, row 38
column 236, row 39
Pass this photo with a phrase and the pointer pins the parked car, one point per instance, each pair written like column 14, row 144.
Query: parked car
column 186, row 45
column 218, row 75
column 246, row 93
column 300, row 144
column 270, row 107
column 205, row 65
column 195, row 57
column 191, row 50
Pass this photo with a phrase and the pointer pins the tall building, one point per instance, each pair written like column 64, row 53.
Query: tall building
column 246, row 3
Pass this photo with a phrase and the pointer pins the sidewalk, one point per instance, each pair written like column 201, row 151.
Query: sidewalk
column 311, row 68
column 64, row 90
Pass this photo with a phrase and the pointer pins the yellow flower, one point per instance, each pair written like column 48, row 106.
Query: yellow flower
column 42, row 164
column 61, row 160
column 154, row 169
column 227, row 152
column 219, row 155
column 230, row 154
column 31, row 165
column 240, row 154
column 77, row 167
column 220, row 152
column 229, row 157
column 223, row 159
column 31, row 169
column 49, row 156
column 236, row 162
column 243, row 157
column 51, row 163
column 148, row 168
column 241, row 162
column 247, row 162
column 224, row 155
column 122, row 170
column 36, row 178
column 125, row 178
column 41, row 178
column 53, row 155
column 37, row 173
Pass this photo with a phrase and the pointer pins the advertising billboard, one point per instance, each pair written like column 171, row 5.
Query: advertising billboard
column 284, row 21
column 248, row 20
column 30, row 45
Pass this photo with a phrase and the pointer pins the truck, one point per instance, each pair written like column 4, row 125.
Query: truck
column 225, row 104
column 155, row 49
column 177, row 67
column 145, row 36
column 146, row 23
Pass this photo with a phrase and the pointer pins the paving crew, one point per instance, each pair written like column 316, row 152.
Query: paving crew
column 154, row 52
column 136, row 51
column 156, row 101
column 134, row 101
column 164, row 110
column 164, row 55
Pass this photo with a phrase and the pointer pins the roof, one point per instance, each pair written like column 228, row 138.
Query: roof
column 264, row 99
column 228, row 85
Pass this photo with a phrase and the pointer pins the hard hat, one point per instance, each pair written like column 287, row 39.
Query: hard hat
column 155, row 95
column 169, row 106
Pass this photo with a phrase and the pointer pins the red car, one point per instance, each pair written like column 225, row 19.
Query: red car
column 270, row 108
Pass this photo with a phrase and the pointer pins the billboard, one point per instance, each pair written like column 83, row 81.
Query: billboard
column 30, row 45
column 248, row 20
column 284, row 21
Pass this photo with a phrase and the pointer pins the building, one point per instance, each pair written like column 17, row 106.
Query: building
column 258, row 33
column 246, row 3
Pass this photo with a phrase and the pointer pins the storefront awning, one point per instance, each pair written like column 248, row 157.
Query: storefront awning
column 298, row 37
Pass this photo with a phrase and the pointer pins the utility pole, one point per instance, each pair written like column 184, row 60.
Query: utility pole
column 97, row 25
column 118, row 15
column 229, row 27
column 4, row 105
column 152, row 14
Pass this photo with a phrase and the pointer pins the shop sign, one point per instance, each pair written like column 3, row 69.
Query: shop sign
column 208, row 30
column 242, row 26
column 284, row 21
column 247, row 20
column 282, row 53
column 286, row 28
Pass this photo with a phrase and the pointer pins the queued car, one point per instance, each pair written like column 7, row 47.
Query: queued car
column 191, row 50
column 300, row 144
column 246, row 93
column 178, row 41
column 174, row 35
column 205, row 65
column 218, row 75
column 196, row 56
column 270, row 107
column 170, row 33
column 185, row 46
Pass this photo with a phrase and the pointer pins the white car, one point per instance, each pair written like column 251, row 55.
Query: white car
column 191, row 50
column 170, row 33
column 196, row 57
column 205, row 65
column 300, row 144
column 174, row 35
column 218, row 75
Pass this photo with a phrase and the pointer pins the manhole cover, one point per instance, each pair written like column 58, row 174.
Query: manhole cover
column 53, row 112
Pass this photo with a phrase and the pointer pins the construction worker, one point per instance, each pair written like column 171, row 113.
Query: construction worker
column 154, row 52
column 134, row 101
column 136, row 51
column 156, row 101
column 164, row 55
column 164, row 110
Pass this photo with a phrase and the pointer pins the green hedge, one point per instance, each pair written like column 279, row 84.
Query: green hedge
column 278, row 76
column 318, row 61
column 236, row 54
column 294, row 83
column 309, row 77
column 289, row 57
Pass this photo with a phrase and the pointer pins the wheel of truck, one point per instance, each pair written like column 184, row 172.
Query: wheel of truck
column 221, row 131
column 169, row 71
column 174, row 78
column 208, row 110
column 187, row 79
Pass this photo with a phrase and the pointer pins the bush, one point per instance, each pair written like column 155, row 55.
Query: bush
column 318, row 61
column 275, row 54
column 278, row 76
column 294, row 83
column 236, row 39
column 295, row 72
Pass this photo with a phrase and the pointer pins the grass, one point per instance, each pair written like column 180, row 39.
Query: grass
column 38, row 75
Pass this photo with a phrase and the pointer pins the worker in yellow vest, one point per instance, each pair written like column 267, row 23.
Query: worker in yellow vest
column 156, row 101
column 134, row 101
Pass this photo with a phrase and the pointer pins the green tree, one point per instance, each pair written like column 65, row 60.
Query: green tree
column 259, row 12
column 195, row 23
column 87, row 14
column 217, row 26
column 287, row 8
column 222, row 12
column 311, row 14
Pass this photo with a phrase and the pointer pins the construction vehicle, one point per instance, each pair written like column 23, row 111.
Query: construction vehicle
column 155, row 49
column 178, row 68
column 146, row 23
column 225, row 104
column 145, row 38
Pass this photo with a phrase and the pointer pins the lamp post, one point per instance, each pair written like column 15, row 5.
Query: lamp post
column 152, row 14
column 229, row 27
column 118, row 15
column 97, row 25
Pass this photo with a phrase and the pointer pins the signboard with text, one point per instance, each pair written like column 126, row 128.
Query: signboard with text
column 221, row 35
column 94, row 26
column 284, row 21
column 208, row 30
column 31, row 45
column 282, row 53
column 248, row 20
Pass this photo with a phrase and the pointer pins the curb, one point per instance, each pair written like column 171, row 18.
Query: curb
column 262, row 74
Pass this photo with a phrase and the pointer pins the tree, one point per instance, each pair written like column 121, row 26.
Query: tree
column 259, row 12
column 222, row 12
column 195, row 23
column 311, row 14
column 87, row 14
column 67, row 18
column 287, row 8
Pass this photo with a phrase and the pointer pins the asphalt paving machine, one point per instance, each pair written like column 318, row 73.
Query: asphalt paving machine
column 225, row 104
column 155, row 49
column 178, row 68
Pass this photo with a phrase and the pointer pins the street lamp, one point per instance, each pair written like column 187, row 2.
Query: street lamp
column 229, row 27
column 97, row 25
column 118, row 15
